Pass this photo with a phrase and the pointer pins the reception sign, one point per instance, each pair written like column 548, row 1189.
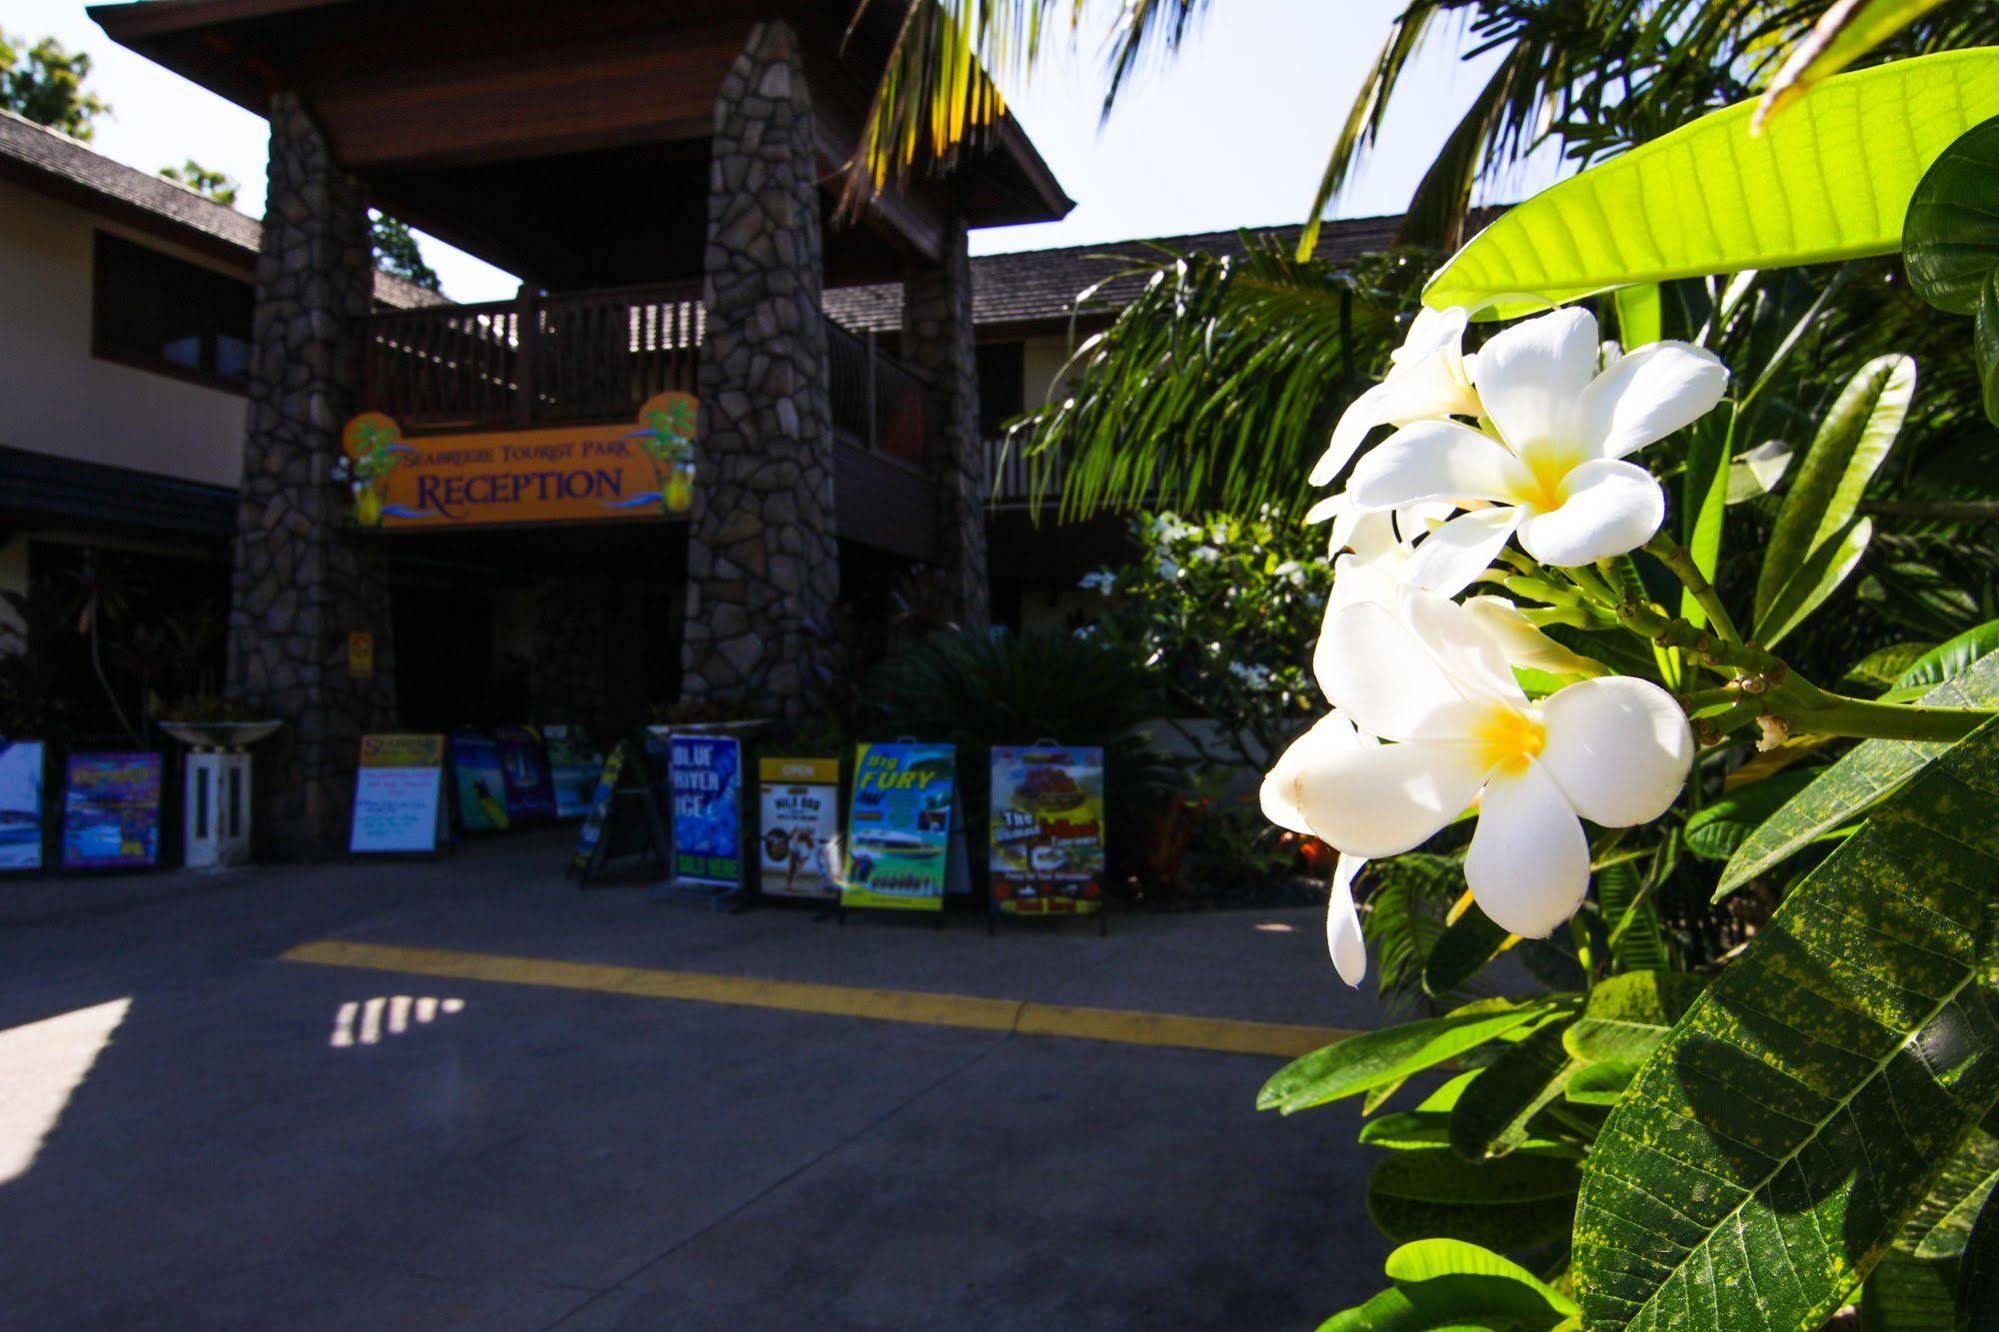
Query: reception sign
column 705, row 773
column 1048, row 830
column 899, row 828
column 799, row 844
column 398, row 794
column 482, row 782
column 21, row 804
column 111, row 811
column 581, row 473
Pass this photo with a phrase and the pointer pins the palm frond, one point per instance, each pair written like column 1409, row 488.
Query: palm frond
column 1146, row 30
column 1595, row 76
column 1217, row 385
column 941, row 89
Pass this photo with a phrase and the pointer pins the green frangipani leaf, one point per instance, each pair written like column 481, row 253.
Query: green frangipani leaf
column 1852, row 443
column 1491, row 1118
column 1941, row 1223
column 1626, row 1017
column 1829, row 180
column 1978, row 1273
column 1812, row 585
column 1905, row 1294
column 1636, row 942
column 1512, row 1203
column 1950, row 239
column 1845, row 33
column 1640, row 315
column 1447, row 1283
column 1772, row 1144
column 1757, row 472
column 1715, row 831
column 1881, row 668
column 1985, row 343
column 1864, row 775
column 1428, row 1125
column 1471, row 941
column 1950, row 659
column 1601, row 1084
column 1379, row 1058
column 1456, row 1285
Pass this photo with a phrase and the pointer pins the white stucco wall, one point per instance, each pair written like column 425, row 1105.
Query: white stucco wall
column 55, row 397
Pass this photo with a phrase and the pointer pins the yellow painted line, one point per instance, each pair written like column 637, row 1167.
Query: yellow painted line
column 1024, row 1017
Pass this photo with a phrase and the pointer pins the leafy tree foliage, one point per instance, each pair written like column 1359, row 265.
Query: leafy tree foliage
column 44, row 82
column 396, row 252
column 213, row 184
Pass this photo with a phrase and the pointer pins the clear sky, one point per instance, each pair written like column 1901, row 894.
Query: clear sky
column 1232, row 133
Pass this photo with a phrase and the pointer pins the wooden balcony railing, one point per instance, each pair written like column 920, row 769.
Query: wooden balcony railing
column 537, row 360
column 598, row 356
column 879, row 404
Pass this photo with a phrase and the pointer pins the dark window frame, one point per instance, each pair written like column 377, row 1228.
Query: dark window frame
column 170, row 267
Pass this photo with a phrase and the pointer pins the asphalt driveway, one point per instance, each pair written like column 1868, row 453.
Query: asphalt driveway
column 195, row 1133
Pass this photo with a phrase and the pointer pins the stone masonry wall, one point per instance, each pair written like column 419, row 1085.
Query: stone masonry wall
column 937, row 338
column 302, row 583
column 762, row 558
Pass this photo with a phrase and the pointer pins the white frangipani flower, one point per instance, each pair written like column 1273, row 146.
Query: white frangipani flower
column 1614, row 750
column 1429, row 379
column 1280, row 794
column 1555, row 474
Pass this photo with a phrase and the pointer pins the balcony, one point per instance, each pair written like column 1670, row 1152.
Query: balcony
column 589, row 357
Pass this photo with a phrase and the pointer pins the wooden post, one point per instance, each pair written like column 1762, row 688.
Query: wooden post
column 874, row 409
column 526, row 337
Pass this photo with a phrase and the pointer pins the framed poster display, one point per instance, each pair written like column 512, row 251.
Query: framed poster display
column 705, row 774
column 798, row 843
column 481, row 782
column 524, row 775
column 899, row 826
column 111, row 811
column 398, row 795
column 21, row 808
column 1047, row 855
column 572, row 770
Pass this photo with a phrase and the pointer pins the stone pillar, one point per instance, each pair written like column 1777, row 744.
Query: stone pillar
column 937, row 339
column 762, row 560
column 302, row 583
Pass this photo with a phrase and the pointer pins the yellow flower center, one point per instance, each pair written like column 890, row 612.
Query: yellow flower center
column 1549, row 465
column 1507, row 739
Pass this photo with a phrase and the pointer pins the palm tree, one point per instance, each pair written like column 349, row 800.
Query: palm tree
column 1265, row 348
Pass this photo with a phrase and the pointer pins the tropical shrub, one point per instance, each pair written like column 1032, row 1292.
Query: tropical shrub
column 976, row 689
column 1541, row 613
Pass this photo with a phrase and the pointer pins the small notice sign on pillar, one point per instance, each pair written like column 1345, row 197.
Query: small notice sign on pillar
column 360, row 655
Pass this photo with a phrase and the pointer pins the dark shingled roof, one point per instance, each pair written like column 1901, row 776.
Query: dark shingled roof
column 60, row 166
column 1040, row 286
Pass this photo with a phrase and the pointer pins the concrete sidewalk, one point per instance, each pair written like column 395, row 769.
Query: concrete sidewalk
column 536, row 1158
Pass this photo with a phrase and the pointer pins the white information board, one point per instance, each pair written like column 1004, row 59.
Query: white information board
column 398, row 794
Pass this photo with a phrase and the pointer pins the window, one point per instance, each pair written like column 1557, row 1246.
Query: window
column 1002, row 385
column 165, row 314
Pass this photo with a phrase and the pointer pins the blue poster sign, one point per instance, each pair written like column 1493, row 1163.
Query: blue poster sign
column 524, row 771
column 111, row 811
column 20, row 804
column 705, row 773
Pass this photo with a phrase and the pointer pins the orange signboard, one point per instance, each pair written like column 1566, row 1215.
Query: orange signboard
column 557, row 474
